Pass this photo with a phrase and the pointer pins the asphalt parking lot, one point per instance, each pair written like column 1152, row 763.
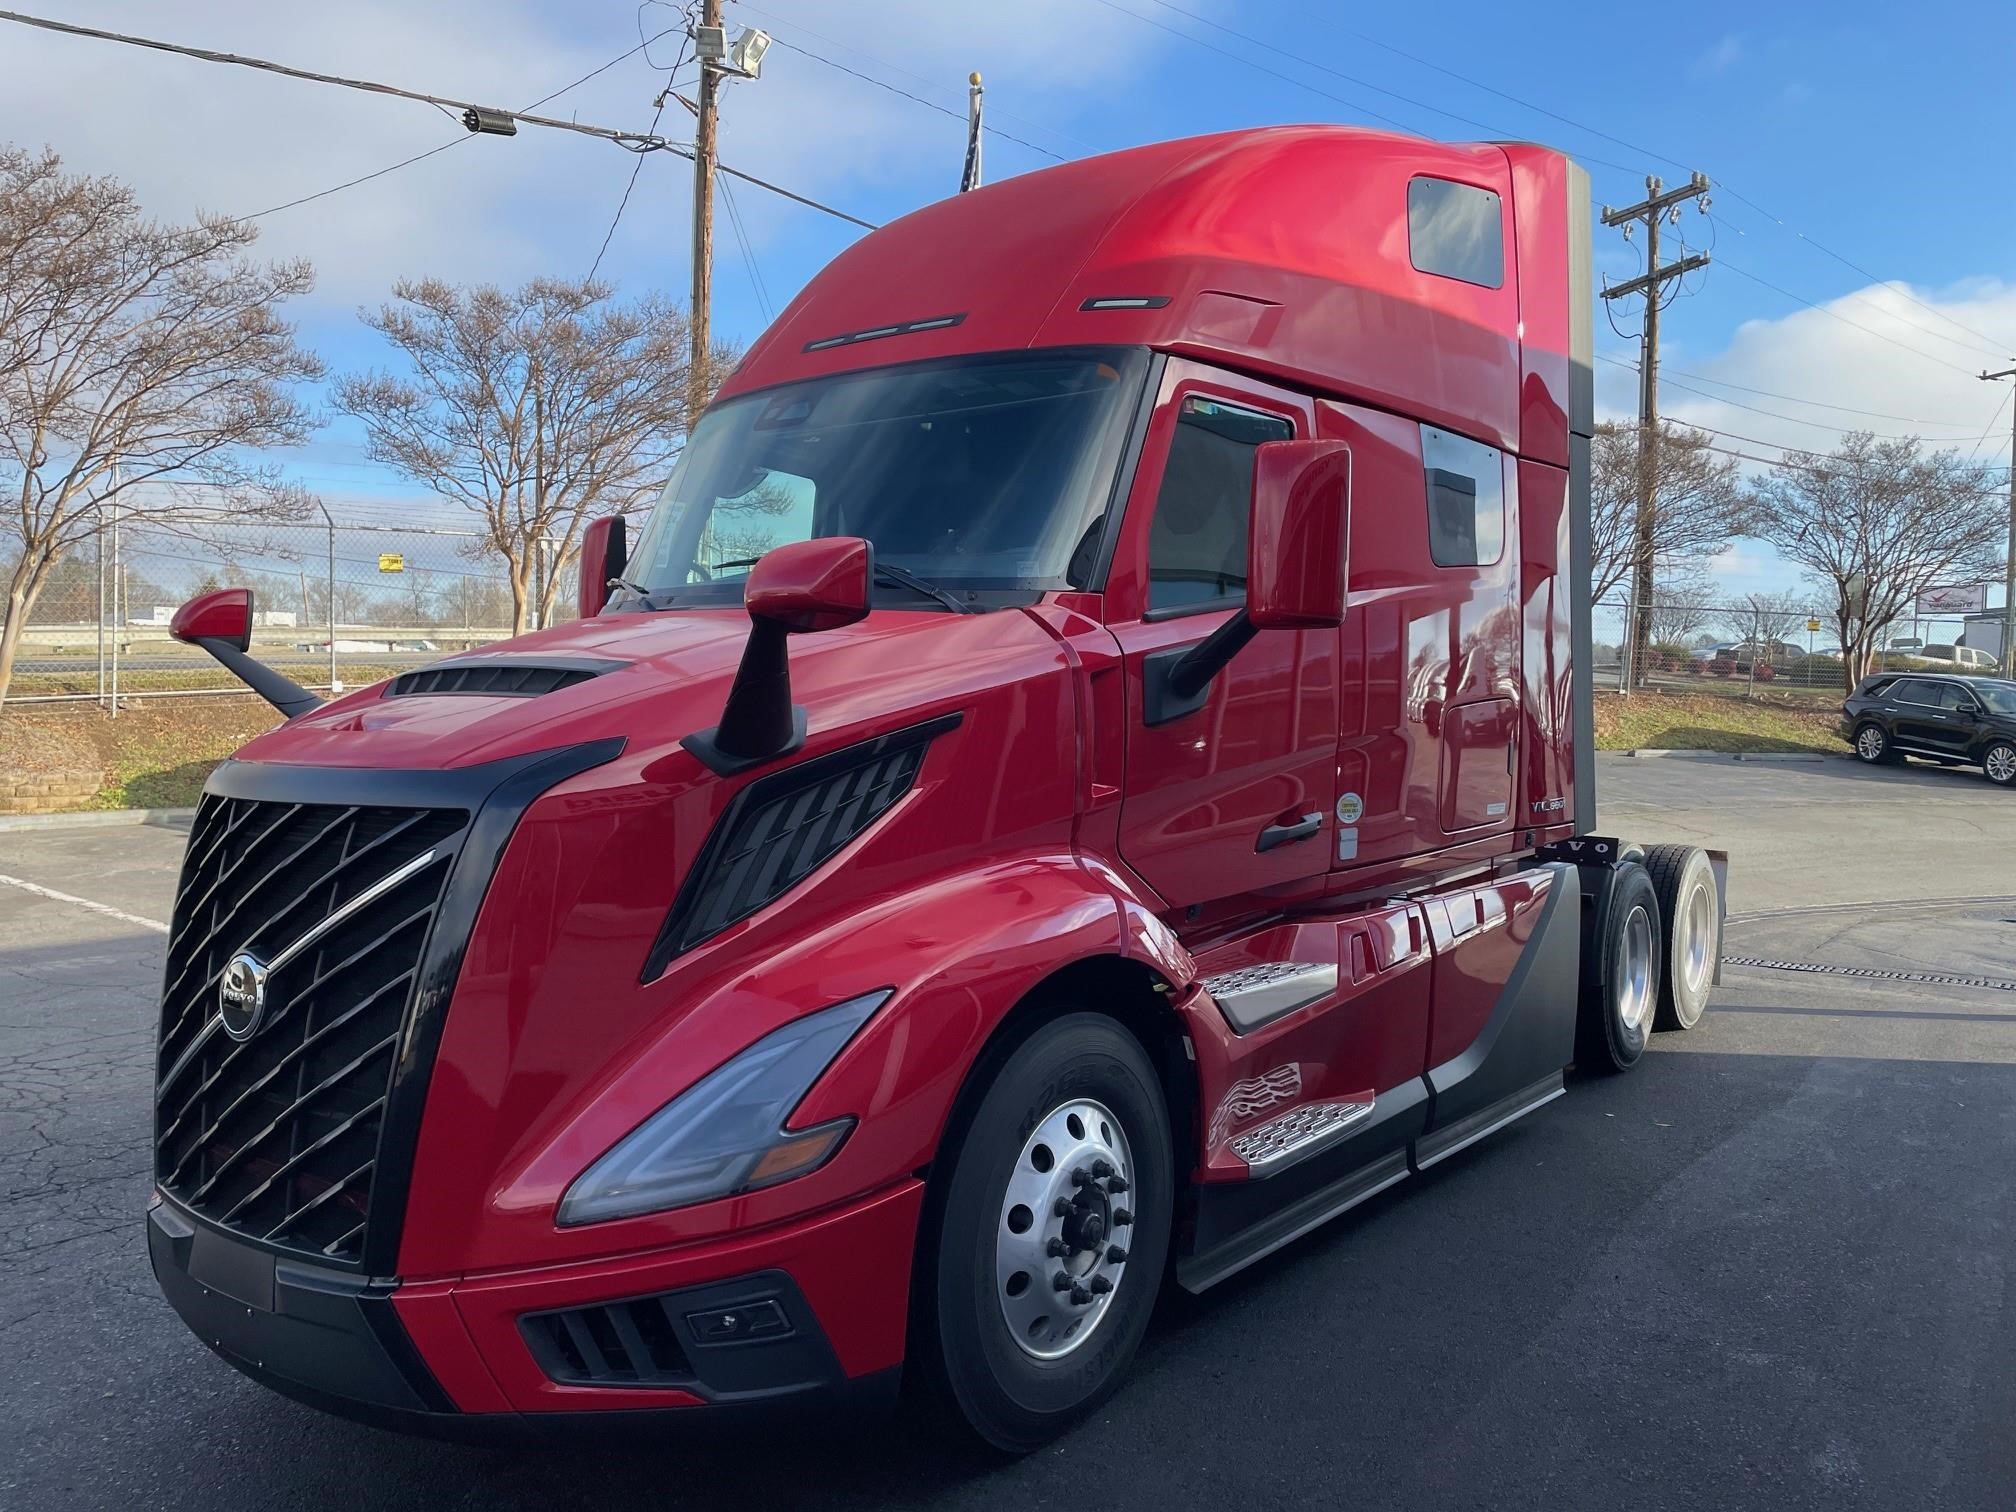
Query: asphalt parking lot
column 1771, row 1268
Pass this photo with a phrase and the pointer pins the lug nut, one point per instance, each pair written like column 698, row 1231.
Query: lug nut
column 1080, row 1296
column 1061, row 1281
column 1115, row 1255
column 1102, row 1169
column 1080, row 1177
column 1117, row 1185
column 1056, row 1249
column 1101, row 1285
column 1122, row 1217
column 1061, row 1207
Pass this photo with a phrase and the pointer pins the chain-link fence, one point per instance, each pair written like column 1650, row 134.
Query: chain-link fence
column 336, row 602
column 1741, row 648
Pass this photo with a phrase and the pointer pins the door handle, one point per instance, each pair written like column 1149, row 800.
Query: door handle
column 1288, row 834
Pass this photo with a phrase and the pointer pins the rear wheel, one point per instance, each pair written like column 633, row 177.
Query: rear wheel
column 1620, row 974
column 1999, row 762
column 1873, row 746
column 1051, row 1230
column 1691, row 911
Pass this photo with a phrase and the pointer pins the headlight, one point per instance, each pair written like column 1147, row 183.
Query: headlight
column 725, row 1134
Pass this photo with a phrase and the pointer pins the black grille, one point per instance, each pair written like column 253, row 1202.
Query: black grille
column 631, row 1343
column 505, row 679
column 782, row 828
column 277, row 1137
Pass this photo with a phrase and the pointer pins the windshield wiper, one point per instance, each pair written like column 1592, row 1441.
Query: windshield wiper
column 643, row 593
column 904, row 577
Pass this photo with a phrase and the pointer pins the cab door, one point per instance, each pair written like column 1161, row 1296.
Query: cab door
column 1236, row 795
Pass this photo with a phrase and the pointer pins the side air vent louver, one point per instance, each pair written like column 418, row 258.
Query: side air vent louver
column 632, row 1343
column 501, row 676
column 781, row 828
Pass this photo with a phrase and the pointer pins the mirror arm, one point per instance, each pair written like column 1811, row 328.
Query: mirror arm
column 1175, row 681
column 286, row 695
column 759, row 722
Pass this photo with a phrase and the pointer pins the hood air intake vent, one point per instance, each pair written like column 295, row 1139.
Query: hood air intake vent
column 781, row 828
column 501, row 676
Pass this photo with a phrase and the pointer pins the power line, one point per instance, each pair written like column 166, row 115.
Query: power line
column 1742, row 272
column 748, row 253
column 637, row 167
column 957, row 115
column 631, row 140
column 353, row 183
column 1790, row 398
column 1754, row 409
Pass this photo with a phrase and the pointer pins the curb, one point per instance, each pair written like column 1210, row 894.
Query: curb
column 97, row 819
column 1665, row 755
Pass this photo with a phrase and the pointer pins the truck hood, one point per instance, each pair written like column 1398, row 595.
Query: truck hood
column 674, row 673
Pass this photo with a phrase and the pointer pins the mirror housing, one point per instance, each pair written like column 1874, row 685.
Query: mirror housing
column 1301, row 521
column 1295, row 570
column 605, row 554
column 223, row 614
column 795, row 589
column 812, row 585
column 220, row 622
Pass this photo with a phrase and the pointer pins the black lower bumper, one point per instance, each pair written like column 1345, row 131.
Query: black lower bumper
column 332, row 1340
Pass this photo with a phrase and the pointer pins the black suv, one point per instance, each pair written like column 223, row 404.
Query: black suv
column 1956, row 720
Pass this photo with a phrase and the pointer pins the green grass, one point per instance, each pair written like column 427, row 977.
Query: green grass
column 178, row 680
column 1712, row 722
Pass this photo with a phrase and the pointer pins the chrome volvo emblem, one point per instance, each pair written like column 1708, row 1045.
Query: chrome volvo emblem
column 241, row 995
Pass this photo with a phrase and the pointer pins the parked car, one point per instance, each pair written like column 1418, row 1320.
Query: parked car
column 1967, row 658
column 1959, row 721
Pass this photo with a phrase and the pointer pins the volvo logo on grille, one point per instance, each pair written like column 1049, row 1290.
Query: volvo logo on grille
column 241, row 995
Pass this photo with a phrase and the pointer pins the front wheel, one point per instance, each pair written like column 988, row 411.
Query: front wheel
column 1050, row 1235
column 1999, row 763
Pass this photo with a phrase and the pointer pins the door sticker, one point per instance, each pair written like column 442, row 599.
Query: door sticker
column 1350, row 808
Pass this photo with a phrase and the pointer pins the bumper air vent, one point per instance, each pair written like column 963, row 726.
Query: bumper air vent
column 297, row 942
column 633, row 1343
column 501, row 676
column 781, row 828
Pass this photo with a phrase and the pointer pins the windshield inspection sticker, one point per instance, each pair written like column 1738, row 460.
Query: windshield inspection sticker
column 1350, row 809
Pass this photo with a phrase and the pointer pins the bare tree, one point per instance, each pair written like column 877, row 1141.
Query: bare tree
column 1685, row 603
column 534, row 408
column 149, row 360
column 1696, row 501
column 1877, row 523
column 1766, row 619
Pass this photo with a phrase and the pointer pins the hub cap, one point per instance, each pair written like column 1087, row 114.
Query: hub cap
column 1869, row 744
column 1634, row 971
column 1697, row 938
column 1066, row 1219
column 2002, row 764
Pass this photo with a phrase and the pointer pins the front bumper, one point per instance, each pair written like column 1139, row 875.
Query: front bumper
column 540, row 1351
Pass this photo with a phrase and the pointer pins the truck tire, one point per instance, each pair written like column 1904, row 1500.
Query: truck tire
column 1065, row 1171
column 1691, row 912
column 1620, row 973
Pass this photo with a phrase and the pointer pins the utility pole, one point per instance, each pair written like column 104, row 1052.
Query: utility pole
column 2007, row 651
column 706, row 146
column 1650, row 211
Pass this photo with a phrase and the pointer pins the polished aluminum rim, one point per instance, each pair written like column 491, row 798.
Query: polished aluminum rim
column 2002, row 764
column 1869, row 744
column 1634, row 970
column 1057, row 1265
column 1696, row 945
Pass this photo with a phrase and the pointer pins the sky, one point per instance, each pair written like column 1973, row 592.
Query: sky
column 1862, row 237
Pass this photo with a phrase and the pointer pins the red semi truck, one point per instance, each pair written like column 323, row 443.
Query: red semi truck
column 1085, row 775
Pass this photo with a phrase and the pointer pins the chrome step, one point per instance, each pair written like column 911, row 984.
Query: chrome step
column 1259, row 994
column 1280, row 1142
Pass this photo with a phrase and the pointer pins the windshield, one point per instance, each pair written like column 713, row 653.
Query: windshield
column 1999, row 696
column 989, row 476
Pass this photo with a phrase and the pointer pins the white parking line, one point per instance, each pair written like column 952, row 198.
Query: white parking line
column 62, row 897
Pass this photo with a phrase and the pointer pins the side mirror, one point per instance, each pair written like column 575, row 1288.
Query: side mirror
column 1295, row 569
column 812, row 585
column 795, row 589
column 1301, row 520
column 223, row 614
column 605, row 553
column 220, row 622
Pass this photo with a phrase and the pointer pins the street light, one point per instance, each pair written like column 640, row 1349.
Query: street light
column 743, row 59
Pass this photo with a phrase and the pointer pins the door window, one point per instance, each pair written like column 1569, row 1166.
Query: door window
column 1913, row 691
column 1952, row 696
column 1197, row 537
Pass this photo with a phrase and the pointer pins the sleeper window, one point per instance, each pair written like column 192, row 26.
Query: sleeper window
column 1455, row 231
column 1465, row 483
column 1197, row 538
